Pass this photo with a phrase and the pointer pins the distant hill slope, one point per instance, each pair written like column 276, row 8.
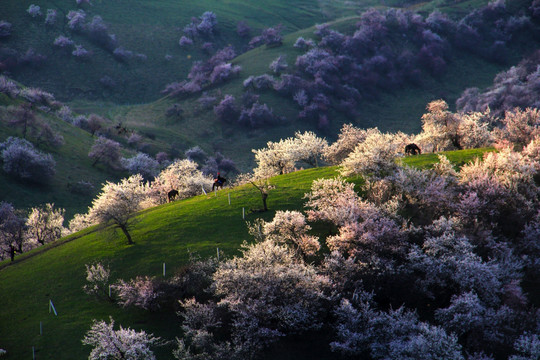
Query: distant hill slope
column 152, row 28
column 400, row 109
column 164, row 234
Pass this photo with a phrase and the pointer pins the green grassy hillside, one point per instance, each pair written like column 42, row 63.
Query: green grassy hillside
column 165, row 234
column 153, row 28
column 149, row 27
column 72, row 166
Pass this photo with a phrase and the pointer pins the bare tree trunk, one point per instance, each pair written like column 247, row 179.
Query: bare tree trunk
column 125, row 231
column 264, row 196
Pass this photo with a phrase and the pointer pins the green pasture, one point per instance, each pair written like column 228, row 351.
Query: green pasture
column 165, row 234
column 151, row 27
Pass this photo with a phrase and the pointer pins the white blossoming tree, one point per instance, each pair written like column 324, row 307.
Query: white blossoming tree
column 122, row 344
column 439, row 128
column 183, row 176
column 275, row 159
column 270, row 292
column 97, row 276
column 118, row 202
column 309, row 147
column 290, row 228
column 44, row 224
column 348, row 138
column 375, row 156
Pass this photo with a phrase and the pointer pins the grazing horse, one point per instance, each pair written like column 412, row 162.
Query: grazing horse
column 218, row 182
column 412, row 149
column 171, row 195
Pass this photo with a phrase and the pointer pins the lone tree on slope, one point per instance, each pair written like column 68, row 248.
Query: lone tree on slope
column 117, row 202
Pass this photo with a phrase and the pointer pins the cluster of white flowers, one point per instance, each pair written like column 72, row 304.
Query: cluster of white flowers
column 119, row 344
column 97, row 276
column 281, row 157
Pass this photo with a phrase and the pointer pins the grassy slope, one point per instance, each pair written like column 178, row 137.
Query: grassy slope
column 72, row 165
column 152, row 27
column 163, row 234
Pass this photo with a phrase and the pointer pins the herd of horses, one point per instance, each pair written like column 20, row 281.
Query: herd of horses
column 219, row 181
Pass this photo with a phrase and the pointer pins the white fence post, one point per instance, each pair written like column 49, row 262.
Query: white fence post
column 51, row 306
column 243, row 213
column 163, row 269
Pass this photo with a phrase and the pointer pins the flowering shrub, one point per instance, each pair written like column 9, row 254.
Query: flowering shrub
column 45, row 224
column 5, row 29
column 226, row 111
column 279, row 64
column 242, row 29
column 98, row 277
column 257, row 116
column 34, row 11
column 50, row 19
column 270, row 294
column 290, row 228
column 333, row 200
column 8, row 87
column 185, row 41
column 62, row 41
column 119, row 344
column 140, row 292
column 22, row 161
column 375, row 156
column 76, row 20
column 142, row 164
column 81, row 53
column 12, row 231
column 520, row 126
column 396, row 334
column 105, row 151
column 122, row 54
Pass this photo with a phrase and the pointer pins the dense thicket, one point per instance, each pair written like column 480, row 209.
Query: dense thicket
column 517, row 87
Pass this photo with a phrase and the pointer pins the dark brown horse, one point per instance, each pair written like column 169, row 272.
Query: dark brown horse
column 412, row 149
column 219, row 181
column 171, row 195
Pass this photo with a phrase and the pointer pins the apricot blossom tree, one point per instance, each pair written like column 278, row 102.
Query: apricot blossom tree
column 118, row 202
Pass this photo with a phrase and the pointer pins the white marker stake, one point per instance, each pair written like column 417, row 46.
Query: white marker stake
column 51, row 306
column 215, row 192
column 229, row 198
column 218, row 254
column 163, row 269
column 243, row 213
column 203, row 190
